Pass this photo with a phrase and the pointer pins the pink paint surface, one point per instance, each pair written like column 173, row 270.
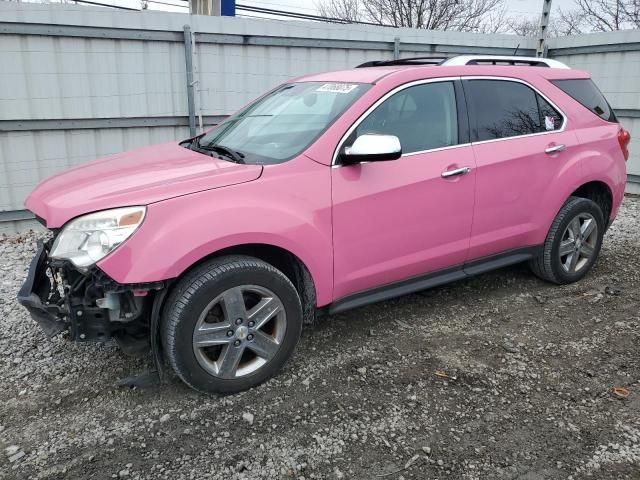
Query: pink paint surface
column 354, row 227
column 136, row 177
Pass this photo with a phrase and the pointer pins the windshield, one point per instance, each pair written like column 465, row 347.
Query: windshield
column 283, row 123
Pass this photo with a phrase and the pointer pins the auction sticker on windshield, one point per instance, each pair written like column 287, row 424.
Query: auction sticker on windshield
column 337, row 87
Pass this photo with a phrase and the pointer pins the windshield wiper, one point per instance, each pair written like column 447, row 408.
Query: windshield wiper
column 234, row 155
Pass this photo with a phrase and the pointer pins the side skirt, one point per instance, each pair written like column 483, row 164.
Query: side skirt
column 433, row 279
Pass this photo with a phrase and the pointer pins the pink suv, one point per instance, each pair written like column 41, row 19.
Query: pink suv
column 327, row 193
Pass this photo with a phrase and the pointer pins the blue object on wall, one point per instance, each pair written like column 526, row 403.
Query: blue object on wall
column 228, row 8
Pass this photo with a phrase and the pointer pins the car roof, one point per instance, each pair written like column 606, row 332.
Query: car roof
column 375, row 73
column 354, row 75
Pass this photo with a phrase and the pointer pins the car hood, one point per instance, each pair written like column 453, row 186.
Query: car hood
column 136, row 177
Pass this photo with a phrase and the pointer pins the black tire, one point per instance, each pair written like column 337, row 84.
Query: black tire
column 548, row 265
column 191, row 297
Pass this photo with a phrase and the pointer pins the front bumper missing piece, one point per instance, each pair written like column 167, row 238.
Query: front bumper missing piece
column 57, row 308
column 36, row 287
column 90, row 305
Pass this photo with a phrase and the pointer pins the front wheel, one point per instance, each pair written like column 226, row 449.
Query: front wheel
column 572, row 244
column 231, row 324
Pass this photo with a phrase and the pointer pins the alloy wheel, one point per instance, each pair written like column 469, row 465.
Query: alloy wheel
column 239, row 331
column 578, row 244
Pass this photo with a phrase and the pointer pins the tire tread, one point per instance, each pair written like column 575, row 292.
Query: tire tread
column 187, row 287
column 542, row 264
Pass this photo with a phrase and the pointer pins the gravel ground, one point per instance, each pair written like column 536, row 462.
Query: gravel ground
column 500, row 376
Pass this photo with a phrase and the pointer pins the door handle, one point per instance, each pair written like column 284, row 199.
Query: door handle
column 555, row 149
column 457, row 171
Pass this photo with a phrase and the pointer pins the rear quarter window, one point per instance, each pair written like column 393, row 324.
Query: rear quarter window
column 585, row 92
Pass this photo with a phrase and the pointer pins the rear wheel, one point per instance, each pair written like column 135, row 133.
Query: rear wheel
column 231, row 324
column 572, row 244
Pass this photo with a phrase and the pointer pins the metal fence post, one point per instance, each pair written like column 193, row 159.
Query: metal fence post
column 541, row 50
column 188, row 55
column 396, row 48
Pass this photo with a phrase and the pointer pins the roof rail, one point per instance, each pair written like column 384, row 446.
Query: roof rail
column 502, row 60
column 404, row 61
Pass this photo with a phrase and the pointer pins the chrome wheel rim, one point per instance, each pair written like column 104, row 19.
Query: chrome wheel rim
column 578, row 244
column 239, row 331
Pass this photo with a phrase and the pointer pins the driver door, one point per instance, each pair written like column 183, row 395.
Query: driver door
column 394, row 220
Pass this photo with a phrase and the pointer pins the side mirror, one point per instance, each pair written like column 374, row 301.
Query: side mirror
column 372, row 147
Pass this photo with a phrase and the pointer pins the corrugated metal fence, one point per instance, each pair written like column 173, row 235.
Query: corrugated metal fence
column 77, row 83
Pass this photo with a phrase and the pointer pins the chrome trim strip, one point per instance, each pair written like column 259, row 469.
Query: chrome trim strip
column 461, row 60
column 481, row 142
column 450, row 147
column 450, row 79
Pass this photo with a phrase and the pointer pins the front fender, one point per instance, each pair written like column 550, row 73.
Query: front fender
column 287, row 207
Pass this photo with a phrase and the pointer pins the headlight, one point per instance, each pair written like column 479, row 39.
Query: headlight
column 90, row 238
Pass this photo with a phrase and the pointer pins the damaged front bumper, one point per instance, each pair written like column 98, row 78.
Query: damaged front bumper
column 37, row 286
column 87, row 304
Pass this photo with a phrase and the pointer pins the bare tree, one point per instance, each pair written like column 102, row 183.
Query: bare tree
column 495, row 21
column 570, row 22
column 487, row 16
column 523, row 27
column 530, row 27
column 632, row 12
column 460, row 15
column 600, row 16
column 348, row 10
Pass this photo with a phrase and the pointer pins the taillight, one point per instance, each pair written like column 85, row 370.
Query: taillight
column 624, row 137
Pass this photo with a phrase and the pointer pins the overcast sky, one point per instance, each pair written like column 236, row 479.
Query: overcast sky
column 514, row 7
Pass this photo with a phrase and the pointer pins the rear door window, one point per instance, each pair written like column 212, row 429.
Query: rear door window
column 585, row 92
column 503, row 108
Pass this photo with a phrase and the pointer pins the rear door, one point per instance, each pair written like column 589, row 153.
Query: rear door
column 521, row 145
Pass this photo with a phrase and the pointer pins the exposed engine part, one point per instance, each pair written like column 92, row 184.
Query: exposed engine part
column 122, row 307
